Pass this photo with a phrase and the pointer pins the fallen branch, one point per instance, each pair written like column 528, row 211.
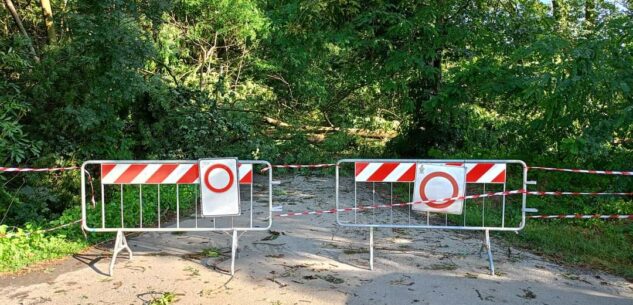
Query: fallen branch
column 317, row 132
column 18, row 21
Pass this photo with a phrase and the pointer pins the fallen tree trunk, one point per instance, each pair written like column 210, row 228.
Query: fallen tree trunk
column 316, row 130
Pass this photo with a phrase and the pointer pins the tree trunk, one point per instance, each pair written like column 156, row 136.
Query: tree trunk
column 590, row 12
column 556, row 10
column 559, row 10
column 18, row 21
column 47, row 13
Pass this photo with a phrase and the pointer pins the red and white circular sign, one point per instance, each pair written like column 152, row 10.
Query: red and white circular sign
column 436, row 182
column 218, row 178
column 219, row 187
column 448, row 183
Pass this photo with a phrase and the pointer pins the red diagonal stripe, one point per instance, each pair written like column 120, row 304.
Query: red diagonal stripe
column 477, row 171
column 382, row 172
column 501, row 178
column 130, row 173
column 190, row 176
column 360, row 166
column 162, row 173
column 106, row 168
column 247, row 179
column 409, row 175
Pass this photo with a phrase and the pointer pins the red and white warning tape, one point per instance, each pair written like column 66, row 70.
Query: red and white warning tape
column 583, row 171
column 53, row 169
column 581, row 216
column 300, row 166
column 489, row 194
column 378, row 206
column 46, row 169
column 540, row 193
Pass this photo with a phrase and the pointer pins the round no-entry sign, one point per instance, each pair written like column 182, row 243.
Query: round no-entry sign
column 439, row 175
column 219, row 187
column 210, row 180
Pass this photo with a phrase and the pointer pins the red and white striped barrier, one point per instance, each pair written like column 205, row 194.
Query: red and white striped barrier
column 161, row 173
column 405, row 172
column 581, row 216
column 583, row 171
column 45, row 169
column 384, row 171
column 483, row 172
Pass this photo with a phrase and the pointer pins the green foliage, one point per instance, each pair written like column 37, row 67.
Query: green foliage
column 15, row 145
column 17, row 249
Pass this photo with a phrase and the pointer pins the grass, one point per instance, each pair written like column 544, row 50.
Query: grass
column 211, row 252
column 25, row 247
column 605, row 245
column 20, row 249
column 165, row 299
column 192, row 271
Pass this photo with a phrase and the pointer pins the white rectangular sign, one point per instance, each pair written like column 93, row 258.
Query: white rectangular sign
column 434, row 182
column 219, row 187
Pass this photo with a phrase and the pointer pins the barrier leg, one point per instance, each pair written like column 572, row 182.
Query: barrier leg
column 489, row 248
column 233, row 251
column 120, row 244
column 371, row 248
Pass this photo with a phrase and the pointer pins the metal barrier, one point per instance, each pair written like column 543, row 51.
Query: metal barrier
column 172, row 188
column 391, row 175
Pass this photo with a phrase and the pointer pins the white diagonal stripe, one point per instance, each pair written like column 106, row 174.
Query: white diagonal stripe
column 177, row 173
column 146, row 173
column 115, row 173
column 492, row 173
column 244, row 170
column 398, row 172
column 367, row 171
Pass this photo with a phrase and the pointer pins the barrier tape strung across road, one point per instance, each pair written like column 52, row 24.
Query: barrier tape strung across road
column 52, row 169
column 323, row 165
column 300, row 166
column 583, row 171
column 369, row 207
column 540, row 193
column 45, row 169
column 581, row 216
column 489, row 194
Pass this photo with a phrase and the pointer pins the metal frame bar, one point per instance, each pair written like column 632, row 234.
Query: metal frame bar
column 427, row 226
column 120, row 241
column 486, row 242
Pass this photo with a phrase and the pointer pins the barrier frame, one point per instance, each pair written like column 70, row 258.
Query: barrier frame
column 120, row 242
column 486, row 229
